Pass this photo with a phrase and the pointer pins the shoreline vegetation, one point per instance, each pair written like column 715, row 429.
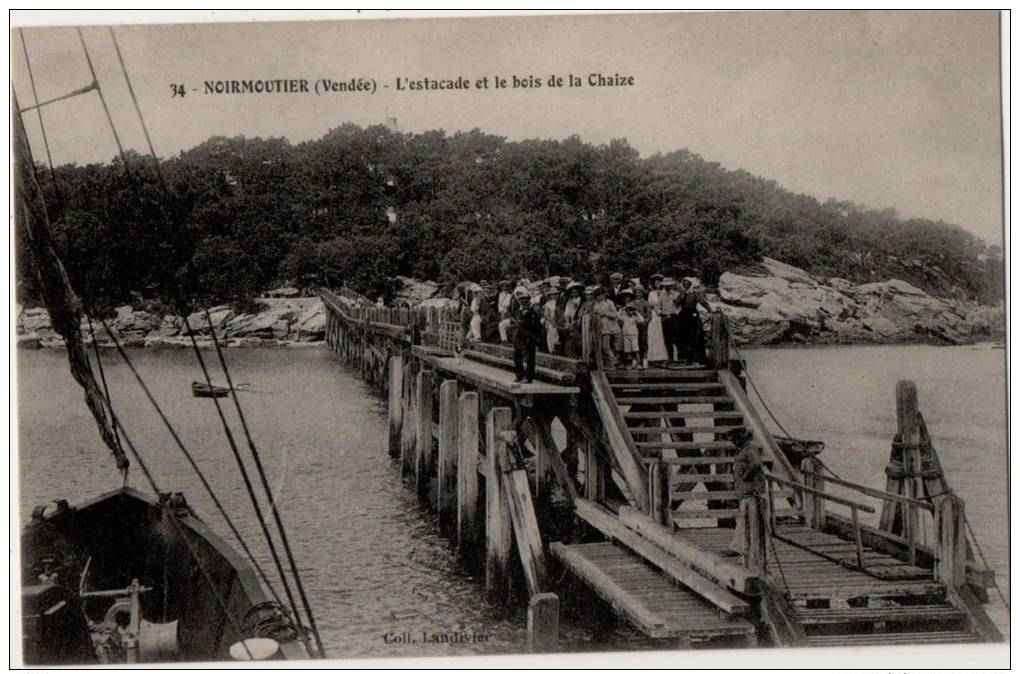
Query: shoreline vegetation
column 772, row 304
column 373, row 209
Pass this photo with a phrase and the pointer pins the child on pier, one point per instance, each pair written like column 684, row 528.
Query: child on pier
column 630, row 327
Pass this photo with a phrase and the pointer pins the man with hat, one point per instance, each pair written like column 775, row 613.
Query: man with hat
column 615, row 287
column 503, row 303
column 669, row 308
column 605, row 313
column 749, row 487
column 527, row 335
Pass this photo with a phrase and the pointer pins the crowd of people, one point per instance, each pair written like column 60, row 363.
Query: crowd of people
column 639, row 324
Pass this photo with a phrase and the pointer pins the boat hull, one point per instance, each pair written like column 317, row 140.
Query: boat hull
column 196, row 578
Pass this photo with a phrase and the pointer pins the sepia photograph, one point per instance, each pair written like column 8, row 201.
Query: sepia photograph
column 678, row 334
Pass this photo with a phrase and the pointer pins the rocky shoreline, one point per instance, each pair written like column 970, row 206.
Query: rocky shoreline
column 779, row 304
column 772, row 304
column 282, row 321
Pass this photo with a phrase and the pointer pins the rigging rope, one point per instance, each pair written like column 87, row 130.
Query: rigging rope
column 62, row 303
column 981, row 554
column 102, row 99
column 779, row 425
column 248, row 486
column 213, row 589
column 141, row 119
column 42, row 127
column 226, row 426
column 191, row 461
column 265, row 486
column 60, row 208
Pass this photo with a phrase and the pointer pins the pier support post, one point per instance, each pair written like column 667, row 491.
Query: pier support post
column 901, row 459
column 448, row 448
column 544, row 623
column 517, row 491
column 661, row 496
column 467, row 473
column 395, row 402
column 409, row 427
column 423, row 449
column 498, row 533
column 951, row 541
column 813, row 506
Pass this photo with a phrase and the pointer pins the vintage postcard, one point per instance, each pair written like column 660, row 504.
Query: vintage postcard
column 674, row 334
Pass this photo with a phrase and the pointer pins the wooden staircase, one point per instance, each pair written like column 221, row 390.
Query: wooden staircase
column 667, row 432
column 679, row 418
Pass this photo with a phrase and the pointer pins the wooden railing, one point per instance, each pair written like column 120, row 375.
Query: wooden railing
column 813, row 503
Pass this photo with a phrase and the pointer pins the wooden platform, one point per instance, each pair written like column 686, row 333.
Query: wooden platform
column 812, row 577
column 655, row 605
column 492, row 378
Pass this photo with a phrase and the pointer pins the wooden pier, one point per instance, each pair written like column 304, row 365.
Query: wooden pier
column 641, row 462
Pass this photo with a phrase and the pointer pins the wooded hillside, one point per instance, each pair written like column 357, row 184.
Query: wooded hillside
column 363, row 205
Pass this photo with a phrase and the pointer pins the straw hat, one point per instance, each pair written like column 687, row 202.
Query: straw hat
column 668, row 281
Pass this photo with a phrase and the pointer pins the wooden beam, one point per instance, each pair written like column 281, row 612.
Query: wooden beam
column 410, row 423
column 962, row 598
column 544, row 623
column 449, row 429
column 610, row 590
column 423, row 454
column 551, row 456
column 754, row 422
column 621, row 445
column 498, row 528
column 611, row 526
column 467, row 472
column 525, row 525
column 395, row 403
column 723, row 571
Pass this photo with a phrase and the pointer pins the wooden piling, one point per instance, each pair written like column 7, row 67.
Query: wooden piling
column 423, row 443
column 395, row 402
column 544, row 623
column 498, row 534
column 661, row 496
column 525, row 524
column 448, row 448
column 951, row 541
column 813, row 506
column 409, row 427
column 467, row 472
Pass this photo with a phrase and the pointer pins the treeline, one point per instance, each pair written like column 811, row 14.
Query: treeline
column 361, row 206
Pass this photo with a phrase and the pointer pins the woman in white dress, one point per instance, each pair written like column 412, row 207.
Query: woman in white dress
column 656, row 341
column 475, row 333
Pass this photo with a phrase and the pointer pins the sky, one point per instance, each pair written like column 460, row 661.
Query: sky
column 891, row 110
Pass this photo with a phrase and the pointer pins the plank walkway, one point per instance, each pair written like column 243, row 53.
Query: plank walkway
column 811, row 577
column 495, row 378
column 654, row 604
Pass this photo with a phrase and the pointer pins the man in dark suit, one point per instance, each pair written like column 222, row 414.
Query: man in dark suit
column 528, row 334
column 616, row 286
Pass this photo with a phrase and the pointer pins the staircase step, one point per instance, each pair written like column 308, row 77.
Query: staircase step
column 725, row 513
column 702, row 460
column 692, row 374
column 658, row 430
column 675, row 400
column 893, row 638
column 667, row 386
column 728, row 415
column 721, row 495
column 937, row 612
column 720, row 444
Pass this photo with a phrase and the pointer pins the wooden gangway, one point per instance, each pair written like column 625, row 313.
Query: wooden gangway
column 642, row 458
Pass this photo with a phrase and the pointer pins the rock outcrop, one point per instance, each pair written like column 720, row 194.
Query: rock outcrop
column 783, row 304
column 282, row 321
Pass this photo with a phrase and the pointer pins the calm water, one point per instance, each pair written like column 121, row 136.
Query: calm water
column 372, row 558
